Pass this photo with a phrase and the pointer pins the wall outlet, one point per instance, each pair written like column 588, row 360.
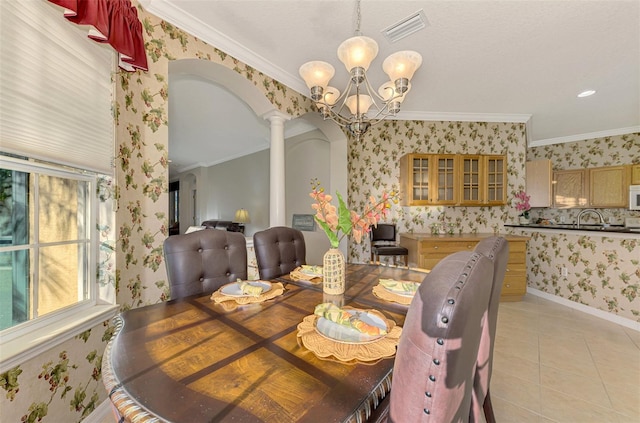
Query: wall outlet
column 564, row 272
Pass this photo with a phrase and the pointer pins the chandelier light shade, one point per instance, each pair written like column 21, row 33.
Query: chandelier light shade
column 358, row 52
column 359, row 106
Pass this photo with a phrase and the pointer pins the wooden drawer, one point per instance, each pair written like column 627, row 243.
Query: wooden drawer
column 447, row 246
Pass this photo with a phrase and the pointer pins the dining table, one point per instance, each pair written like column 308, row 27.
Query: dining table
column 197, row 360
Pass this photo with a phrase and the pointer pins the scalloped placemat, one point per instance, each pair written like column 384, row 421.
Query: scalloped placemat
column 384, row 294
column 276, row 289
column 366, row 353
column 297, row 275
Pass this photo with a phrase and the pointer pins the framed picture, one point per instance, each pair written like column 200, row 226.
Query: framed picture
column 304, row 222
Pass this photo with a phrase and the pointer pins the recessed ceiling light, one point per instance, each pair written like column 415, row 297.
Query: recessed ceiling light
column 586, row 93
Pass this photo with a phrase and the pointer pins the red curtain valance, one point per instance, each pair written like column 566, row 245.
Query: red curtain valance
column 112, row 21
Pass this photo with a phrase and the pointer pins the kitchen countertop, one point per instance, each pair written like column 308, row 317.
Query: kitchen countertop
column 584, row 227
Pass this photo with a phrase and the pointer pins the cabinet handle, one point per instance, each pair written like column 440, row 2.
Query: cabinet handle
column 508, row 270
column 435, row 248
column 468, row 247
column 508, row 285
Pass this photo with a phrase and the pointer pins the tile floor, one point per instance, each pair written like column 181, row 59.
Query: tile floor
column 556, row 364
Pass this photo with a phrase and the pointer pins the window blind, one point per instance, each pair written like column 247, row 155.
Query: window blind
column 55, row 88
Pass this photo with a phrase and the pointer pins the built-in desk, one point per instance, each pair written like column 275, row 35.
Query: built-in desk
column 426, row 250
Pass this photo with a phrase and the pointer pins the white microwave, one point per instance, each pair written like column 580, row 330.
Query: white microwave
column 634, row 197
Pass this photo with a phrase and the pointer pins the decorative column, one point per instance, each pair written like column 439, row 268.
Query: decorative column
column 276, row 172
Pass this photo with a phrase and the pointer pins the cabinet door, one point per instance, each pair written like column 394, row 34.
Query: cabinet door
column 444, row 175
column 538, row 182
column 471, row 180
column 414, row 179
column 570, row 188
column 608, row 186
column 496, row 185
column 635, row 174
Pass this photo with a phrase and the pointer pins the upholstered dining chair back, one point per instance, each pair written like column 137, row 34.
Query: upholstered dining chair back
column 279, row 250
column 203, row 261
column 496, row 249
column 384, row 243
column 436, row 357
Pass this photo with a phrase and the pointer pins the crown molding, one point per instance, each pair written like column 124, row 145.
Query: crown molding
column 587, row 136
column 216, row 39
column 462, row 117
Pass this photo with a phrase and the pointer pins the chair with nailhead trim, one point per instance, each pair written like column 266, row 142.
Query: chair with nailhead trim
column 435, row 363
column 495, row 249
column 279, row 250
column 203, row 261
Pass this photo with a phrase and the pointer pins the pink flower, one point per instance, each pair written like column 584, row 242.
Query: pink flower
column 522, row 202
column 340, row 222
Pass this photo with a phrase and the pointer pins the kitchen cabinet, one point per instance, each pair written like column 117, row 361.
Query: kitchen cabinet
column 452, row 179
column 538, row 182
column 609, row 186
column 571, row 188
column 414, row 179
column 426, row 250
column 496, row 177
column 471, row 179
column 635, row 174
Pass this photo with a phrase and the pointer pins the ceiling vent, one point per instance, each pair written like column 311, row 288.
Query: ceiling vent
column 405, row 27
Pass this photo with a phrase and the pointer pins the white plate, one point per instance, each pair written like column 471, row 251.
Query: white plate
column 314, row 271
column 347, row 335
column 408, row 294
column 233, row 289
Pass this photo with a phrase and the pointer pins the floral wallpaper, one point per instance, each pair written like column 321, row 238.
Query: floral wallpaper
column 602, row 272
column 374, row 167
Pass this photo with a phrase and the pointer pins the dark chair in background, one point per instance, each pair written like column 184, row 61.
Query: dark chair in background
column 384, row 243
column 495, row 249
column 434, row 368
column 279, row 250
column 203, row 261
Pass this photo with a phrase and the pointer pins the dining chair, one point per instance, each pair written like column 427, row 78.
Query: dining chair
column 496, row 249
column 384, row 243
column 203, row 261
column 278, row 250
column 435, row 362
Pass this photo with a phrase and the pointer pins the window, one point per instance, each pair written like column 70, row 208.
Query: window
column 57, row 274
column 45, row 241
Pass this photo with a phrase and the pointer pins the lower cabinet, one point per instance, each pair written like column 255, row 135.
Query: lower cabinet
column 426, row 250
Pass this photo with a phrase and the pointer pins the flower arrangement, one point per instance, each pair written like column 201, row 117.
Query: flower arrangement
column 522, row 203
column 340, row 222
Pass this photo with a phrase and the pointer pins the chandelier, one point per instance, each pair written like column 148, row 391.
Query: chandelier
column 359, row 106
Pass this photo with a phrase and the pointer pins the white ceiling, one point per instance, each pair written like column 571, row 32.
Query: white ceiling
column 518, row 60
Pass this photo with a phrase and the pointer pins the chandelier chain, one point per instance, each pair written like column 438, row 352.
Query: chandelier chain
column 358, row 18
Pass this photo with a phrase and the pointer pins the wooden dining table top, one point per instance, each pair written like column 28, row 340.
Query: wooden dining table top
column 194, row 360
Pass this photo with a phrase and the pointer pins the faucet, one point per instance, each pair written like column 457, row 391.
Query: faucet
column 585, row 211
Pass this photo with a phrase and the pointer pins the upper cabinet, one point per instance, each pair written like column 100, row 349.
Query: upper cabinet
column 538, row 182
column 570, row 188
column 606, row 187
column 609, row 186
column 635, row 174
column 452, row 179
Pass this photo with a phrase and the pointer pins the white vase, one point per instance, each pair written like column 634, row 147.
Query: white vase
column 523, row 220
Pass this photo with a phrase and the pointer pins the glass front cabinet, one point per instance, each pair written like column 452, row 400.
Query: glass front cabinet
column 452, row 179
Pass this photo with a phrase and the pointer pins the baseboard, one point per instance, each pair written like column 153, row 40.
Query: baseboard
column 622, row 321
column 101, row 413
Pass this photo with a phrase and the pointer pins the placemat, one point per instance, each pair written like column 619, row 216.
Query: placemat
column 297, row 275
column 366, row 353
column 276, row 289
column 384, row 294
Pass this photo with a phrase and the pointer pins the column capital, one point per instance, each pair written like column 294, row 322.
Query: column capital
column 275, row 116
